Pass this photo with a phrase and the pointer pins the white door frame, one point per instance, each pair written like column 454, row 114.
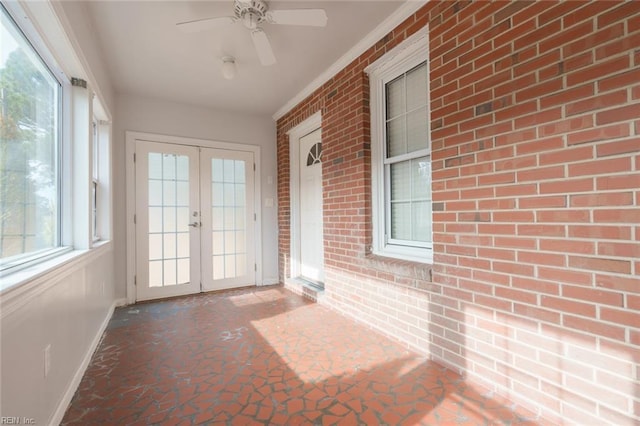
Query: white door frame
column 307, row 126
column 130, row 147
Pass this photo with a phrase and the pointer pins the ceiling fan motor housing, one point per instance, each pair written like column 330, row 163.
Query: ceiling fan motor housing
column 250, row 13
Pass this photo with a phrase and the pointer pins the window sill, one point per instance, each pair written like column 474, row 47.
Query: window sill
column 18, row 281
column 407, row 273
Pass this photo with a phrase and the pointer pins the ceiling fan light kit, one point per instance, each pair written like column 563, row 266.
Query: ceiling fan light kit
column 253, row 13
column 228, row 67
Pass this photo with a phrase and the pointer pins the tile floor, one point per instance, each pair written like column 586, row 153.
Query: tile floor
column 266, row 356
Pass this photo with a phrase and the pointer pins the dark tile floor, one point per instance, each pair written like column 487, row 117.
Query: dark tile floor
column 266, row 356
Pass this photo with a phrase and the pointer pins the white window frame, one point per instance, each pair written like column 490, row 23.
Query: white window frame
column 412, row 52
column 59, row 53
column 95, row 167
column 37, row 43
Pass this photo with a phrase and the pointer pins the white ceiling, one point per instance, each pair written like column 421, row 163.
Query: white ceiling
column 148, row 56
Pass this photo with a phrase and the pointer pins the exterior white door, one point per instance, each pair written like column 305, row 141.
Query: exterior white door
column 311, row 223
column 195, row 219
column 228, row 219
column 167, row 220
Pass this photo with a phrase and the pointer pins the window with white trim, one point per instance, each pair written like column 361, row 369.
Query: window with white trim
column 401, row 152
column 94, row 180
column 30, row 137
column 47, row 172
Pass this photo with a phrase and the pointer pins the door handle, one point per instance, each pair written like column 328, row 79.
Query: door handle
column 194, row 224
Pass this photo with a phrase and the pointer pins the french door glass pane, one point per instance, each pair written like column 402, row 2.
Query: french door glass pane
column 228, row 192
column 168, row 219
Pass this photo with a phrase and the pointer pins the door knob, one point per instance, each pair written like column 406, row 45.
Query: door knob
column 194, row 224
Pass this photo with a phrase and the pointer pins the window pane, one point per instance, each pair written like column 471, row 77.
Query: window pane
column 217, row 194
column 239, row 171
column 155, row 246
column 95, row 151
column 170, row 272
column 218, row 267
column 155, row 274
column 421, row 178
column 183, row 244
column 169, row 247
column 182, row 168
column 169, row 193
column 401, row 221
column 229, row 194
column 396, row 132
column 169, row 166
column 417, row 137
column 155, row 165
column 182, row 198
column 217, row 242
column 230, row 266
column 240, row 196
column 421, row 221
column 229, row 169
column 401, row 181
column 155, row 192
column 395, row 98
column 29, row 149
column 217, row 218
column 155, row 219
column 183, row 271
column 410, row 199
column 183, row 219
column 417, row 87
column 216, row 169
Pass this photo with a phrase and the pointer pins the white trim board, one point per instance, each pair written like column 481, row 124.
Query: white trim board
column 130, row 145
column 396, row 18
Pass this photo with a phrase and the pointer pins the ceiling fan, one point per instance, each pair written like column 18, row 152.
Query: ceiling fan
column 253, row 13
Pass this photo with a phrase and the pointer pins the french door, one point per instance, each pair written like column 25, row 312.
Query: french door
column 195, row 219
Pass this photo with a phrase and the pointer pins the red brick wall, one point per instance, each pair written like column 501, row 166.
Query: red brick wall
column 535, row 127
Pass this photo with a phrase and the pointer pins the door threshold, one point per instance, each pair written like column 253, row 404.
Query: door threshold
column 309, row 289
column 313, row 284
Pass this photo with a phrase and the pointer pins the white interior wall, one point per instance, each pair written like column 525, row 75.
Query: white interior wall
column 66, row 310
column 167, row 118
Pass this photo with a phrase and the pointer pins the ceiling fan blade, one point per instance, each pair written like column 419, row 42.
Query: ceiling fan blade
column 306, row 17
column 205, row 24
column 263, row 47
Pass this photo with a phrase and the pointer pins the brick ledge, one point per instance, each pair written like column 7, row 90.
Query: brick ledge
column 417, row 275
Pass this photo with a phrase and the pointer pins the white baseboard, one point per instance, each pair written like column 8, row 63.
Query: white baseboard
column 270, row 281
column 121, row 302
column 56, row 419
